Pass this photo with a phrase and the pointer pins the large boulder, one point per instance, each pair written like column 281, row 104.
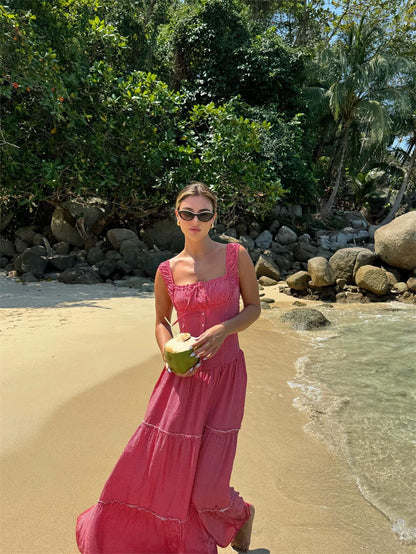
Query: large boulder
column 63, row 230
column 373, row 279
column 286, row 235
column 346, row 261
column 299, row 280
column 7, row 248
column 87, row 213
column 395, row 243
column 164, row 235
column 320, row 272
column 152, row 259
column 264, row 240
column 304, row 251
column 265, row 267
column 32, row 260
column 118, row 236
column 305, row 319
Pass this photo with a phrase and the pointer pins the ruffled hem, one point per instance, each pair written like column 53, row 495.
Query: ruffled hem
column 114, row 527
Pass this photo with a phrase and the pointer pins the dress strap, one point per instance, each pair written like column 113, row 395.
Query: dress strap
column 232, row 261
column 166, row 272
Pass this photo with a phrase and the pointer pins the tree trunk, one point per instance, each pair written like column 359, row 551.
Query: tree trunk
column 327, row 207
column 390, row 216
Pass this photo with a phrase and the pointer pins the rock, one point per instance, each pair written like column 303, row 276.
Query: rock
column 113, row 255
column 373, row 279
column 247, row 242
column 264, row 240
column 224, row 239
column 62, row 261
column 304, row 251
column 62, row 247
column 106, row 268
column 63, row 230
column 400, row 287
column 86, row 214
column 411, row 284
column 320, row 272
column 129, row 244
column 267, row 281
column 7, row 248
column 231, row 232
column 95, row 255
column 152, row 259
column 84, row 275
column 299, row 280
column 392, row 278
column 265, row 267
column 31, row 262
column 283, row 262
column 395, row 243
column 343, row 262
column 348, row 297
column 264, row 306
column 339, row 240
column 124, row 267
column 165, row 235
column 356, row 220
column 117, row 236
column 132, row 254
column 4, row 262
column 241, row 228
column 274, row 227
column 21, row 245
column 361, row 236
column 140, row 283
column 285, row 235
column 29, row 278
column 364, row 257
column 341, row 283
column 27, row 234
column 305, row 318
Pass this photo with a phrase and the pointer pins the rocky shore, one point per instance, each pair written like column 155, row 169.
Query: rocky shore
column 358, row 263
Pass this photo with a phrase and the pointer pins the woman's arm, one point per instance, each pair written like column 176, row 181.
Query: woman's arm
column 210, row 341
column 163, row 308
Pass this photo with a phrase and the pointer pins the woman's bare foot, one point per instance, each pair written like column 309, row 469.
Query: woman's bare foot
column 241, row 541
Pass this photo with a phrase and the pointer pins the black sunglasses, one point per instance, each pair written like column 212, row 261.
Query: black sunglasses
column 187, row 215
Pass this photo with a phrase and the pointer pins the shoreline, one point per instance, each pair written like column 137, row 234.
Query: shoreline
column 79, row 364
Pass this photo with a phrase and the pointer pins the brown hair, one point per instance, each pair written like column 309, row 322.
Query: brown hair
column 197, row 189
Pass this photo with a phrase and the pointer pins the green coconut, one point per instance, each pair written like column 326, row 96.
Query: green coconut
column 178, row 353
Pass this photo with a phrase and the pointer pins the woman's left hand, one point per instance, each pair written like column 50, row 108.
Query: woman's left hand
column 208, row 344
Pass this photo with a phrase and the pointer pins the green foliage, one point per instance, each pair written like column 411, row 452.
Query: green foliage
column 130, row 100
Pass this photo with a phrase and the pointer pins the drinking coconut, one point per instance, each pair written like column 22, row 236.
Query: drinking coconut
column 178, row 352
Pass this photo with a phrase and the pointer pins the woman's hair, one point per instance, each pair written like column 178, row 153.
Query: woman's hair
column 197, row 189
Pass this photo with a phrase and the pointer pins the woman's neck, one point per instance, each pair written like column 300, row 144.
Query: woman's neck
column 198, row 250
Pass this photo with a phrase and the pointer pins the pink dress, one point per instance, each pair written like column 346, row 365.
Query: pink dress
column 170, row 492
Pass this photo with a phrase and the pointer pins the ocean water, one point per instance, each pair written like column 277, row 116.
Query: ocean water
column 358, row 383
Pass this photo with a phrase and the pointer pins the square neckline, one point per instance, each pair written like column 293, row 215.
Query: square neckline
column 227, row 248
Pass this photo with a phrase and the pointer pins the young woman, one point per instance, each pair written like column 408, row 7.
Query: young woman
column 170, row 492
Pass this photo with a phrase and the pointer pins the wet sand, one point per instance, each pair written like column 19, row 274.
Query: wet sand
column 78, row 364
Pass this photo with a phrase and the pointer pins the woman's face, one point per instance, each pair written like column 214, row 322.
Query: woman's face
column 195, row 228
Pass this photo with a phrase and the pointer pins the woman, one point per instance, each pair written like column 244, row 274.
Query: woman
column 169, row 492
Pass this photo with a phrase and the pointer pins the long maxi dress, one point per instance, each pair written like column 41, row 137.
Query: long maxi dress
column 169, row 492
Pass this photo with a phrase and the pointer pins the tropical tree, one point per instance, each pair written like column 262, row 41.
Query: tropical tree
column 364, row 84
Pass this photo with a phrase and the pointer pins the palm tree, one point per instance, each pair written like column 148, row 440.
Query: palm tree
column 363, row 87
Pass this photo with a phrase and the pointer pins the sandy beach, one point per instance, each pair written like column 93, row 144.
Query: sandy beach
column 78, row 364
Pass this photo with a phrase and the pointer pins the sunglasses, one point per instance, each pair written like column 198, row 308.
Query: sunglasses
column 187, row 215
